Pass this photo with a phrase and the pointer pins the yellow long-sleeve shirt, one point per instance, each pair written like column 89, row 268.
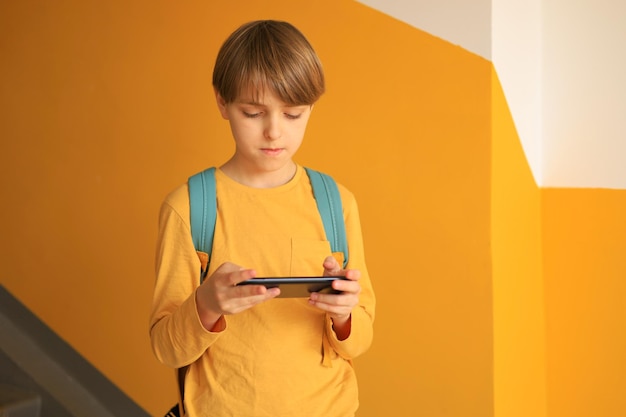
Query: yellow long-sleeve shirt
column 279, row 358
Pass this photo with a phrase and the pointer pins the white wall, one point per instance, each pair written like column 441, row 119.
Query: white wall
column 562, row 66
column 461, row 22
column 584, row 93
column 516, row 52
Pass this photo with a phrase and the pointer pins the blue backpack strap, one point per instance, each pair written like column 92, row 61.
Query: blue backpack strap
column 203, row 210
column 328, row 201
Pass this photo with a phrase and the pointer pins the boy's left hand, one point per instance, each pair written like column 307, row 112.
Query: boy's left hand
column 339, row 306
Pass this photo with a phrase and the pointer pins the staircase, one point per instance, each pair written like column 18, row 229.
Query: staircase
column 43, row 376
column 15, row 402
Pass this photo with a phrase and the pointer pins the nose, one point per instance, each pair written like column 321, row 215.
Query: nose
column 273, row 128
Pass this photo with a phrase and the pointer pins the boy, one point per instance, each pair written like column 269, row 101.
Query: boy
column 245, row 352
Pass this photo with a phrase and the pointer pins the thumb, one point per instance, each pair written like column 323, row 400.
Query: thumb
column 331, row 265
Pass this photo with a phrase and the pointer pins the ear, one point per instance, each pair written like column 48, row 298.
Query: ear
column 221, row 104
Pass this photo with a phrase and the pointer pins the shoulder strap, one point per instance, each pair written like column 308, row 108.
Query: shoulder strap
column 203, row 210
column 328, row 201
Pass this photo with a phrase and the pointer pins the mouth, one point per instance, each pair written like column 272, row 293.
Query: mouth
column 272, row 151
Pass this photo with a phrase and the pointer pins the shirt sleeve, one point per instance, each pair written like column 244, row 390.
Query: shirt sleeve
column 176, row 332
column 362, row 320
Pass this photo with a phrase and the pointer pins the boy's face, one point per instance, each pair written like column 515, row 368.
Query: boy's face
column 267, row 132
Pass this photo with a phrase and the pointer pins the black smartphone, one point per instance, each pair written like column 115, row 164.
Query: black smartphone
column 296, row 287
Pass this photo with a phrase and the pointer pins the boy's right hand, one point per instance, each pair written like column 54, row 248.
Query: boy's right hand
column 219, row 294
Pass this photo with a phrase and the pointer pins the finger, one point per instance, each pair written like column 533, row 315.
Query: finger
column 339, row 305
column 247, row 291
column 346, row 286
column 331, row 265
column 227, row 267
column 226, row 274
column 248, row 297
column 343, row 299
column 235, row 277
column 353, row 274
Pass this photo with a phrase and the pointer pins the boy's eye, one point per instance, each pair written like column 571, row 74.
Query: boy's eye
column 292, row 116
column 251, row 115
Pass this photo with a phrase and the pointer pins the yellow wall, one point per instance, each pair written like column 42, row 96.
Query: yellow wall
column 584, row 243
column 107, row 106
column 518, row 294
column 559, row 294
column 495, row 297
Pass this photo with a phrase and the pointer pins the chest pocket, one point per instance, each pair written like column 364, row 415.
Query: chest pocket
column 307, row 256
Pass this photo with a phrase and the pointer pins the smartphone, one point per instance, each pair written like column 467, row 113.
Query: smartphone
column 296, row 287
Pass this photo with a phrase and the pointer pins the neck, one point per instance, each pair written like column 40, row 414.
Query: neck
column 258, row 178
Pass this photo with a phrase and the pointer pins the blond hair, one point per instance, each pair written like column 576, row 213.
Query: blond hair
column 269, row 54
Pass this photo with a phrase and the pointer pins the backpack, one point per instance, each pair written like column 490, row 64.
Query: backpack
column 203, row 211
column 203, row 214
